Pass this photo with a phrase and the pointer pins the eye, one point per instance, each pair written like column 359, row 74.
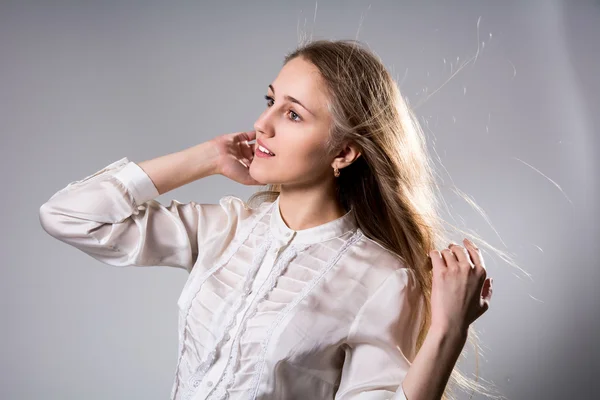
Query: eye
column 269, row 99
column 295, row 117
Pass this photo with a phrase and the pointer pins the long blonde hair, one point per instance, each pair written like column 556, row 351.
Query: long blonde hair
column 391, row 186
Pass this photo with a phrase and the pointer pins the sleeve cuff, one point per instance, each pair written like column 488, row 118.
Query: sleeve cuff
column 137, row 182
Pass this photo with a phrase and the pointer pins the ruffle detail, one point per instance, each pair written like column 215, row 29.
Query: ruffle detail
column 256, row 318
column 216, row 298
column 270, row 307
column 219, row 295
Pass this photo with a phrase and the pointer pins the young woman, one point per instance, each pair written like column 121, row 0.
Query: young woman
column 325, row 286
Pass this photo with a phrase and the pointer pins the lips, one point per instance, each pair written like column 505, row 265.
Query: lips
column 264, row 149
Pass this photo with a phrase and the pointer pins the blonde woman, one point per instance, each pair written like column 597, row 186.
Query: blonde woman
column 326, row 285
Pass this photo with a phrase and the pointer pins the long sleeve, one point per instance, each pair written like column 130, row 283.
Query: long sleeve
column 382, row 341
column 112, row 215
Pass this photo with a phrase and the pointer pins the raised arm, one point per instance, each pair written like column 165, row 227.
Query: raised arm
column 113, row 216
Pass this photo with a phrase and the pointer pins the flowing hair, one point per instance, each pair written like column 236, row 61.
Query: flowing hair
column 391, row 187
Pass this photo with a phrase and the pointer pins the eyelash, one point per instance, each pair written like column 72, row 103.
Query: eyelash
column 269, row 98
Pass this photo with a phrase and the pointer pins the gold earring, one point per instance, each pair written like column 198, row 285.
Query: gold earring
column 336, row 172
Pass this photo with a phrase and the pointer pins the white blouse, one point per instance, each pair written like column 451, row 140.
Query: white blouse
column 266, row 312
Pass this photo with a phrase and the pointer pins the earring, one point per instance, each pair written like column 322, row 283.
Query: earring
column 336, row 172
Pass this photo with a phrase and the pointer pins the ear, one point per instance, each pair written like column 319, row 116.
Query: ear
column 349, row 153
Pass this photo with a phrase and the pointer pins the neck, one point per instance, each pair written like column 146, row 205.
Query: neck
column 307, row 207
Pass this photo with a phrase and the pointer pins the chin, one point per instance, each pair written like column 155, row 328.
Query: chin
column 266, row 176
column 260, row 176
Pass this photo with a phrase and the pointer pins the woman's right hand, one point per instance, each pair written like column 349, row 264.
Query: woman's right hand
column 236, row 155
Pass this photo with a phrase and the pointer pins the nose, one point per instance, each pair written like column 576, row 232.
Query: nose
column 263, row 123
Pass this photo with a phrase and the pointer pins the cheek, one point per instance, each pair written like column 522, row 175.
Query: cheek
column 304, row 155
column 297, row 162
column 301, row 154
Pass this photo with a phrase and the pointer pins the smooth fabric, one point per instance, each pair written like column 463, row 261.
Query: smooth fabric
column 266, row 312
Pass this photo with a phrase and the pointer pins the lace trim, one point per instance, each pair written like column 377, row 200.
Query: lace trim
column 259, row 367
column 220, row 389
column 194, row 380
column 257, row 259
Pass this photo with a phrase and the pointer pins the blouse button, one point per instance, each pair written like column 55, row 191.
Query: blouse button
column 209, row 383
column 196, row 383
column 227, row 337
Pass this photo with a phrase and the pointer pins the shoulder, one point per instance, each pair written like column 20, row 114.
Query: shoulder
column 378, row 264
column 237, row 209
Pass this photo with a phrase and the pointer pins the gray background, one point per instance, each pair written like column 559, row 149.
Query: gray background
column 83, row 84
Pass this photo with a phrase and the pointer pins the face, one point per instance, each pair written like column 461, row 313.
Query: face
column 294, row 126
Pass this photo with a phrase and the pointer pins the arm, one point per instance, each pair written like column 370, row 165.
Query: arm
column 429, row 372
column 177, row 169
column 381, row 361
column 113, row 217
column 461, row 293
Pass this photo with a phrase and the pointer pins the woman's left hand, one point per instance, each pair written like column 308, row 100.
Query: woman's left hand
column 461, row 290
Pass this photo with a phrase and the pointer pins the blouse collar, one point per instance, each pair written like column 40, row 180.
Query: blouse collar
column 316, row 234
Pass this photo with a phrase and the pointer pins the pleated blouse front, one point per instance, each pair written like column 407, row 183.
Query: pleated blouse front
column 266, row 312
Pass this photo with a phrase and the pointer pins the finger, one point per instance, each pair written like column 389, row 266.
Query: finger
column 487, row 290
column 485, row 300
column 242, row 171
column 437, row 261
column 251, row 135
column 485, row 305
column 245, row 162
column 450, row 258
column 461, row 254
column 247, row 152
column 251, row 147
column 475, row 253
column 244, row 138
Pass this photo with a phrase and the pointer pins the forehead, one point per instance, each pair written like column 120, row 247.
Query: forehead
column 302, row 80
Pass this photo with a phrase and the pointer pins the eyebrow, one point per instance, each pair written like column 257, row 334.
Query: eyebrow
column 293, row 100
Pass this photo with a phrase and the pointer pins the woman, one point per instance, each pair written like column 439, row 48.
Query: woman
column 329, row 287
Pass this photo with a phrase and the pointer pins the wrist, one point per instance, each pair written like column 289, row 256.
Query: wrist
column 448, row 332
column 204, row 158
